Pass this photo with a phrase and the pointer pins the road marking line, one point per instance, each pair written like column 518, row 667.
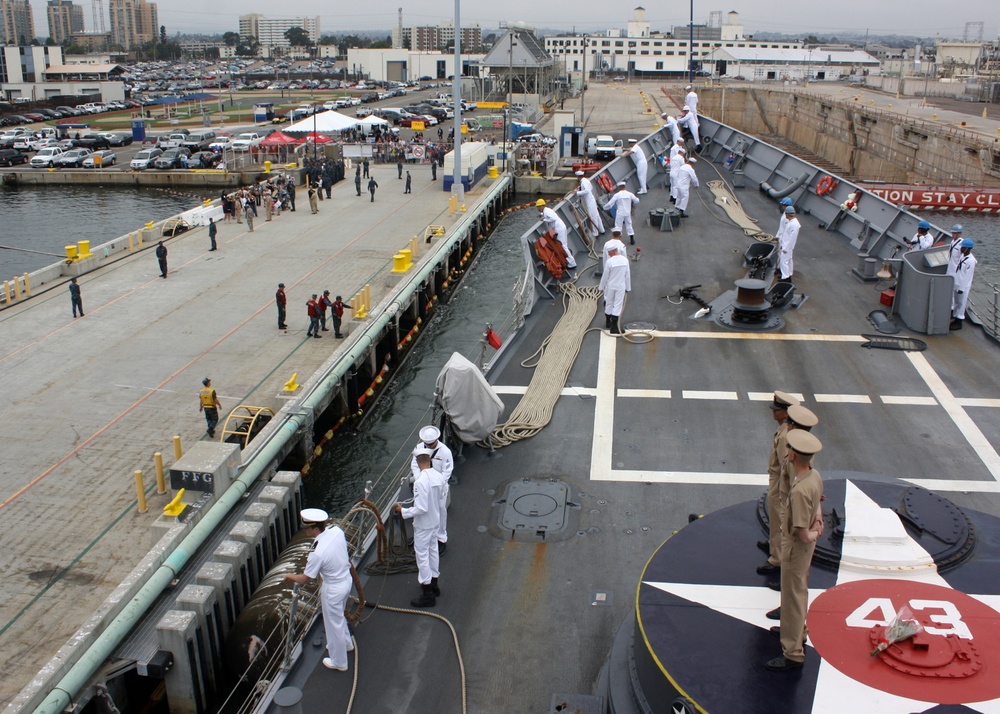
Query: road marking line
column 975, row 402
column 769, row 396
column 645, row 393
column 843, row 398
column 697, row 394
column 604, row 410
column 977, row 440
column 914, row 401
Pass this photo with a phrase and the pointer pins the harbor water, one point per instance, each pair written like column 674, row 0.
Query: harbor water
column 39, row 221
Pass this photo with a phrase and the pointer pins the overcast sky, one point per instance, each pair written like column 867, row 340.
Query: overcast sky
column 924, row 18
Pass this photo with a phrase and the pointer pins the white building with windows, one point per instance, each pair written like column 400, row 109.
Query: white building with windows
column 270, row 31
column 816, row 63
column 642, row 51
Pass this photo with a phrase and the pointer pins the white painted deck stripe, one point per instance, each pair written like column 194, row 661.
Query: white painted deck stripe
column 645, row 393
column 772, row 336
column 940, row 484
column 913, row 401
column 769, row 396
column 975, row 402
column 977, row 440
column 566, row 392
column 697, row 394
column 682, row 477
column 842, row 398
column 604, row 410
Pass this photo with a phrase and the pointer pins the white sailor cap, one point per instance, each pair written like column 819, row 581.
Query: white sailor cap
column 685, row 108
column 632, row 141
column 622, row 184
column 578, row 173
column 688, row 87
column 311, row 516
column 423, row 452
column 430, row 433
column 664, row 115
column 682, row 150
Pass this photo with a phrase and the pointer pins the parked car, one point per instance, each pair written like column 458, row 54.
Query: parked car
column 221, row 143
column 107, row 157
column 45, row 157
column 40, row 143
column 9, row 157
column 72, row 159
column 35, row 116
column 92, row 142
column 144, row 159
column 171, row 159
column 204, row 160
column 246, row 140
column 118, row 138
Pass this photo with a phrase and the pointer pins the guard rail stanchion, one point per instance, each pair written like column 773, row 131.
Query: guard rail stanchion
column 161, row 482
column 177, row 448
column 17, row 288
column 27, row 285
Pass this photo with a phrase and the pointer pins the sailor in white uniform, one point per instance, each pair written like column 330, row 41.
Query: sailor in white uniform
column 641, row 164
column 613, row 243
column 786, row 243
column 691, row 99
column 615, row 282
column 923, row 239
column 329, row 559
column 623, row 200
column 586, row 194
column 964, row 272
column 783, row 219
column 426, row 515
column 554, row 222
column 677, row 159
column 690, row 120
column 675, row 131
column 686, row 177
column 443, row 462
column 955, row 249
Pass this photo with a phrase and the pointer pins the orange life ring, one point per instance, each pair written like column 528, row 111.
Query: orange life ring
column 826, row 185
column 605, row 182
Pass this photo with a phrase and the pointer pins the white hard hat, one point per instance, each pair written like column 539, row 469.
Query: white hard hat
column 429, row 433
column 313, row 515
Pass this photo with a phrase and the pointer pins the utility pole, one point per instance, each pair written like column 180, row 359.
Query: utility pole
column 583, row 88
column 456, row 93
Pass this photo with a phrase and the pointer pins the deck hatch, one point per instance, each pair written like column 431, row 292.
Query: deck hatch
column 534, row 506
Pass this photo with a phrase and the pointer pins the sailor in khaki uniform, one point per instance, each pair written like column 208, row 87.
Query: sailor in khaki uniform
column 779, row 412
column 803, row 527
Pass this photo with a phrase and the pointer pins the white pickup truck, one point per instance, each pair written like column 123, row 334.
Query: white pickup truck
column 603, row 146
column 245, row 141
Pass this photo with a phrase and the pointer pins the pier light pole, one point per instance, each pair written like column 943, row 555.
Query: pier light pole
column 583, row 89
column 456, row 93
column 691, row 47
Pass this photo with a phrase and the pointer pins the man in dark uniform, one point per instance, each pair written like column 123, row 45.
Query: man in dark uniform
column 208, row 402
column 371, row 187
column 213, row 230
column 803, row 527
column 337, row 311
column 290, row 188
column 434, row 170
column 161, row 258
column 324, row 303
column 408, row 177
column 779, row 412
column 364, row 165
column 312, row 308
column 357, row 180
column 399, row 168
column 74, row 297
column 280, row 301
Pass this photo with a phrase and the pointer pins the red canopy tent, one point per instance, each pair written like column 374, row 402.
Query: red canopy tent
column 278, row 138
column 315, row 138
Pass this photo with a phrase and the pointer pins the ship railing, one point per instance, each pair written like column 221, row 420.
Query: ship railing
column 985, row 305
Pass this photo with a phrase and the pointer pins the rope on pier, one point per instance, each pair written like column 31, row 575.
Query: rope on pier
column 555, row 359
column 726, row 199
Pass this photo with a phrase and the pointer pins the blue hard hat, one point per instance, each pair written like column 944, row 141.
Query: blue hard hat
column 924, row 224
column 957, row 228
column 786, row 201
column 789, row 210
column 968, row 243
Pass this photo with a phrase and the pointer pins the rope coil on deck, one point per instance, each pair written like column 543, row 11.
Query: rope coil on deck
column 534, row 411
column 727, row 200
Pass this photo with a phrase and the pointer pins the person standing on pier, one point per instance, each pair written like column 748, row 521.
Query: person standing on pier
column 426, row 515
column 623, row 200
column 75, row 298
column 337, row 311
column 313, row 200
column 330, row 560
column 324, row 303
column 364, row 166
column 280, row 300
column 399, row 168
column 407, row 187
column 213, row 230
column 434, row 170
column 312, row 309
column 268, row 204
column 357, row 180
column 208, row 402
column 371, row 187
column 161, row 258
column 290, row 190
column 250, row 212
column 964, row 272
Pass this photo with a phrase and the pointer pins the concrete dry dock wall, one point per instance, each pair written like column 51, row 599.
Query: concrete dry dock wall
column 207, row 180
column 866, row 143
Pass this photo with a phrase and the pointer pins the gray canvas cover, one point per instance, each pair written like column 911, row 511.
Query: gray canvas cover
column 467, row 399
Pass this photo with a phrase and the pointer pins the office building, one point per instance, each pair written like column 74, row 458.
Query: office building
column 17, row 22
column 65, row 20
column 133, row 23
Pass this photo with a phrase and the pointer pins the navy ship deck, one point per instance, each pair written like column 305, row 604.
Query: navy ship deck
column 645, row 435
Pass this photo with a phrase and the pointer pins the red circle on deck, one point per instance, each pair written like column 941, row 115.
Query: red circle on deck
column 954, row 661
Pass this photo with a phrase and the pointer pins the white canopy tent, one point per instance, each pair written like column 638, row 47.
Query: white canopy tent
column 372, row 120
column 323, row 122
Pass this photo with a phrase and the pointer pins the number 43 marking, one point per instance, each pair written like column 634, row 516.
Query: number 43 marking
column 948, row 615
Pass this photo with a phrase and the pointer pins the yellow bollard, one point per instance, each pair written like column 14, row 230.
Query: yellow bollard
column 452, row 204
column 934, row 117
column 406, row 257
column 177, row 448
column 175, row 507
column 399, row 263
column 207, row 202
column 71, row 253
column 84, row 248
column 161, row 482
column 149, row 226
column 17, row 288
column 27, row 285
column 140, row 491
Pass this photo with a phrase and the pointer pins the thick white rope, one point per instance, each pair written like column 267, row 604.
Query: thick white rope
column 727, row 200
